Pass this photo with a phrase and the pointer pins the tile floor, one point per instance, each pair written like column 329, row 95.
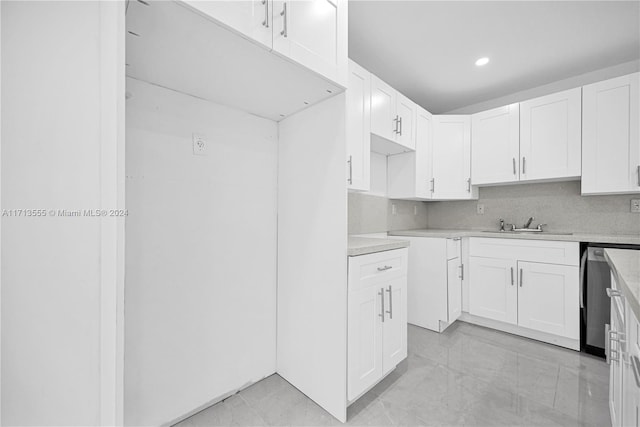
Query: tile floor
column 468, row 375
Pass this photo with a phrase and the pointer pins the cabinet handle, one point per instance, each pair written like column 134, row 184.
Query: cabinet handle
column 385, row 268
column 520, row 277
column 400, row 125
column 265, row 23
column 638, row 169
column 635, row 364
column 433, row 185
column 607, row 344
column 390, row 311
column 284, row 15
column 514, row 165
column 512, row 276
column 381, row 293
column 461, row 276
column 469, row 185
column 395, row 125
column 613, row 293
column 350, row 161
column 524, row 162
column 616, row 337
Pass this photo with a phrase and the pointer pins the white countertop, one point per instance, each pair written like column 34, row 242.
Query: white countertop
column 625, row 266
column 368, row 245
column 575, row 237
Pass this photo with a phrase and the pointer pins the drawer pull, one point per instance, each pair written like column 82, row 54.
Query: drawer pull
column 381, row 293
column 385, row 268
column 390, row 311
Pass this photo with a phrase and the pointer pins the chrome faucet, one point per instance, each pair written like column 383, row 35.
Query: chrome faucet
column 501, row 224
column 528, row 223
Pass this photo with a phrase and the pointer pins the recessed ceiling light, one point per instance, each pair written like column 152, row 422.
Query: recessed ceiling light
column 482, row 61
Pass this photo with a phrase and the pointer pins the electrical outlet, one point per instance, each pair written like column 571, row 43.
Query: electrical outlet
column 635, row 205
column 480, row 209
column 394, row 210
column 199, row 145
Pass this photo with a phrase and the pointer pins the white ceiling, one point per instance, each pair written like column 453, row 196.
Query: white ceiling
column 427, row 49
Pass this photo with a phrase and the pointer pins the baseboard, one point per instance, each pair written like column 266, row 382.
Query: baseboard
column 572, row 344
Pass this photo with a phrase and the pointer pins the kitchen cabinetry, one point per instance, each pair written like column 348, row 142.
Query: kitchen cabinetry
column 452, row 158
column 495, row 145
column 434, row 282
column 528, row 287
column 358, row 128
column 409, row 175
column 377, row 318
column 610, row 136
column 393, row 118
column 623, row 356
column 550, row 136
column 312, row 33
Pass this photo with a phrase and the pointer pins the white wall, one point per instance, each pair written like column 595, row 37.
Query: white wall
column 312, row 254
column 569, row 83
column 53, row 158
column 200, row 253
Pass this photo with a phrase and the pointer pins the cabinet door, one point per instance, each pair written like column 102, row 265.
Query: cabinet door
column 424, row 153
column 452, row 157
column 358, row 127
column 548, row 298
column 454, row 289
column 252, row 18
column 492, row 289
column 610, row 136
column 364, row 345
column 495, row 145
column 550, row 136
column 313, row 33
column 383, row 109
column 631, row 374
column 406, row 111
column 394, row 335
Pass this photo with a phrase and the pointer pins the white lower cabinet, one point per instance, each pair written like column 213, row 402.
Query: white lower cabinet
column 548, row 298
column 623, row 355
column 493, row 293
column 377, row 318
column 434, row 282
column 527, row 287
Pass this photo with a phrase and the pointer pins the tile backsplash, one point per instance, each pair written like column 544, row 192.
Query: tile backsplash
column 373, row 214
column 558, row 204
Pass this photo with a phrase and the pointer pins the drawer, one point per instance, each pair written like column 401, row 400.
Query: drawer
column 546, row 251
column 370, row 269
column 453, row 248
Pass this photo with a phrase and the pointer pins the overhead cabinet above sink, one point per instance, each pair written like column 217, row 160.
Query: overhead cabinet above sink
column 536, row 140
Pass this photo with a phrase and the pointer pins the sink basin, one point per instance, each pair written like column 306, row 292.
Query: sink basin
column 528, row 232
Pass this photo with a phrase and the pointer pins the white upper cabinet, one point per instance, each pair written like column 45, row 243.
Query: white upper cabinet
column 452, row 158
column 610, row 136
column 250, row 17
column 409, row 175
column 383, row 109
column 495, row 145
column 550, row 136
column 393, row 119
column 314, row 34
column 358, row 127
column 406, row 111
